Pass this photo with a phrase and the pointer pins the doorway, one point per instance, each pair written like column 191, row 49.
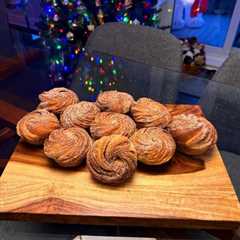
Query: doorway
column 213, row 22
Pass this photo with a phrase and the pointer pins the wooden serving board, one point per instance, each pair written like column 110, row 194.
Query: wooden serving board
column 33, row 188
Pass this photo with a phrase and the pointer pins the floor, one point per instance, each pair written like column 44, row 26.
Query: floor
column 213, row 32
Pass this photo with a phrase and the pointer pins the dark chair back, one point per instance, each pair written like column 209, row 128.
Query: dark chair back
column 229, row 73
column 138, row 43
column 221, row 104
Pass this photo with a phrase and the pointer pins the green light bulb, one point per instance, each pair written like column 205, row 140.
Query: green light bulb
column 154, row 18
column 126, row 19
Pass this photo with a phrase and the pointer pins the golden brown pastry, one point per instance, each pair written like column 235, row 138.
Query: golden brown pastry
column 68, row 147
column 114, row 101
column 108, row 123
column 112, row 159
column 149, row 113
column 36, row 126
column 194, row 135
column 154, row 146
column 57, row 100
column 80, row 114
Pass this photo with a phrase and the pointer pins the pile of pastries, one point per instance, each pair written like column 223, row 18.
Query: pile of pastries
column 113, row 133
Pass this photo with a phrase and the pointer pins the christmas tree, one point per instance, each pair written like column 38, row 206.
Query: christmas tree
column 65, row 26
column 127, row 11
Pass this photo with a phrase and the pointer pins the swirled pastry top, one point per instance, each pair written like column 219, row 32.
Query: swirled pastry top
column 68, row 147
column 154, row 146
column 35, row 126
column 114, row 101
column 149, row 113
column 112, row 159
column 108, row 123
column 57, row 100
column 80, row 114
column 194, row 135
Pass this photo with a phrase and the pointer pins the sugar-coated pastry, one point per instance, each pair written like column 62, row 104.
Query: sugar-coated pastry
column 68, row 147
column 154, row 145
column 194, row 135
column 149, row 113
column 35, row 126
column 57, row 100
column 112, row 159
column 80, row 114
column 114, row 101
column 108, row 123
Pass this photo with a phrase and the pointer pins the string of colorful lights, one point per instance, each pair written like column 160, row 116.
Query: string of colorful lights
column 98, row 73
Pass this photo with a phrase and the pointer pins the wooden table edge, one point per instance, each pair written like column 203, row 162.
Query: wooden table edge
column 121, row 221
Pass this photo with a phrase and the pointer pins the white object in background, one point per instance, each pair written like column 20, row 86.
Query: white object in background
column 165, row 16
column 215, row 57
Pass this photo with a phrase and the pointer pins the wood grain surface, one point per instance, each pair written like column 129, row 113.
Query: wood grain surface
column 33, row 188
